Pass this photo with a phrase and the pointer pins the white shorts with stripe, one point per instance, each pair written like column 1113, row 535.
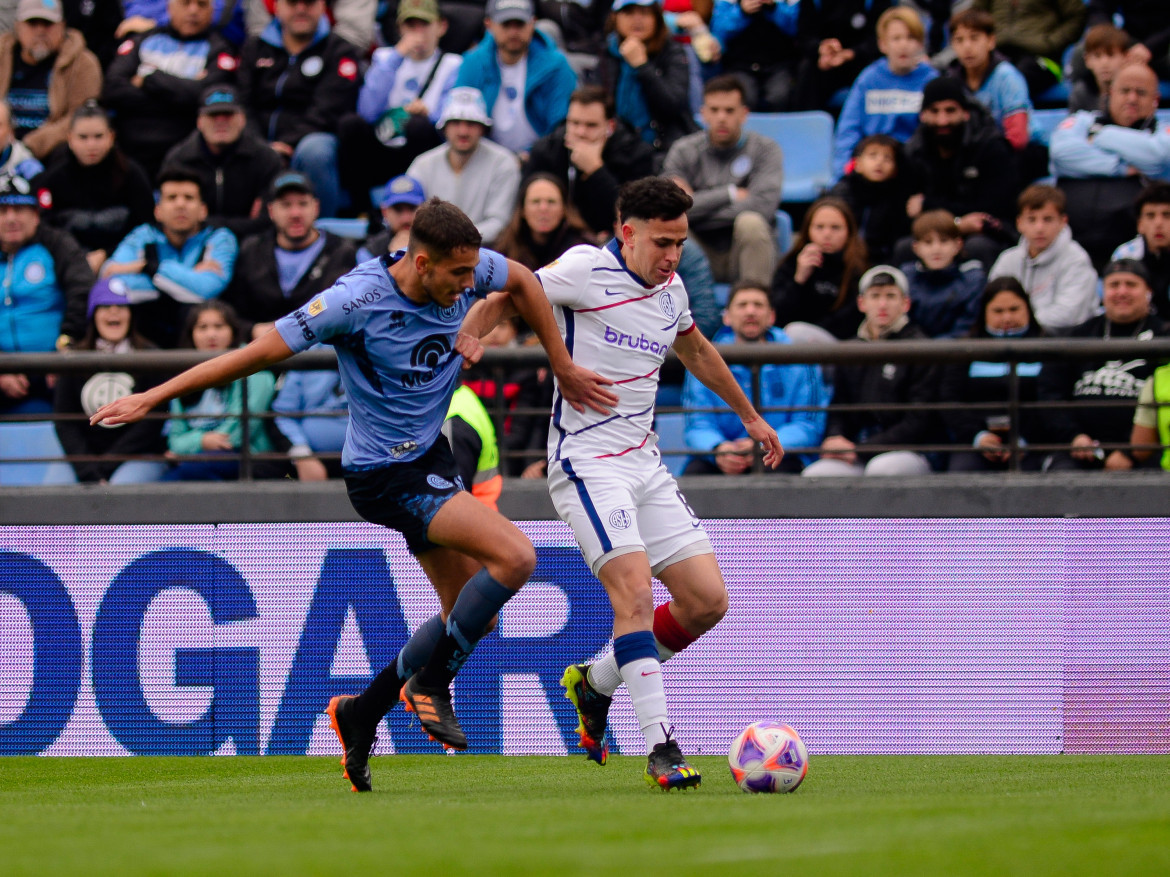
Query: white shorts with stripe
column 619, row 505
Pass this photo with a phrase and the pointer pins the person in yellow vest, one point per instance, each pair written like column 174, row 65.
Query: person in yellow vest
column 472, row 435
column 1151, row 419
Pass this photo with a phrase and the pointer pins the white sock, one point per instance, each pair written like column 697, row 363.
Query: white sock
column 643, row 678
column 605, row 677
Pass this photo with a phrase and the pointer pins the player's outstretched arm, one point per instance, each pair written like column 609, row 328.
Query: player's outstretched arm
column 265, row 351
column 579, row 386
column 702, row 360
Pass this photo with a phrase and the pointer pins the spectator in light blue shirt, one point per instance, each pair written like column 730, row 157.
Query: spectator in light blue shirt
column 176, row 262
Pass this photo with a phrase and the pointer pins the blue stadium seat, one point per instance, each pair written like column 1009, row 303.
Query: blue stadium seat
column 1044, row 122
column 354, row 229
column 671, row 429
column 783, row 231
column 39, row 439
column 807, row 142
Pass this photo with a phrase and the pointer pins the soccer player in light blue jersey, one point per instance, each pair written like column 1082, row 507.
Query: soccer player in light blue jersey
column 401, row 327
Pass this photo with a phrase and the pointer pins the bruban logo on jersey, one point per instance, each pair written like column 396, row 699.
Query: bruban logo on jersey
column 666, row 302
column 429, row 354
column 641, row 342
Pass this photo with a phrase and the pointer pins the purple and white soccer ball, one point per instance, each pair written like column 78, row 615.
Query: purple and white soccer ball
column 768, row 757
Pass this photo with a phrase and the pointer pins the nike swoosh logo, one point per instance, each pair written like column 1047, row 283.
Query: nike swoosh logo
column 607, row 292
column 651, row 673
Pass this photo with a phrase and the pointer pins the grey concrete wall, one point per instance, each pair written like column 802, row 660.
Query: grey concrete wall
column 1145, row 494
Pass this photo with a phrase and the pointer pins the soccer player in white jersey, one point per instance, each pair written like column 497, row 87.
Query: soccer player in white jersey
column 401, row 329
column 620, row 309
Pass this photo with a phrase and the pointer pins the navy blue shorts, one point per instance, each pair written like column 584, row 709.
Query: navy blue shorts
column 405, row 496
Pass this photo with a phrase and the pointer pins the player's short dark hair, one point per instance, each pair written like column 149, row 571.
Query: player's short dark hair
column 977, row 20
column 440, row 228
column 594, row 94
column 724, row 83
column 1155, row 193
column 651, row 198
column 179, row 175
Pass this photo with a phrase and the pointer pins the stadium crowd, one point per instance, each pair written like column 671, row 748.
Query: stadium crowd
column 166, row 170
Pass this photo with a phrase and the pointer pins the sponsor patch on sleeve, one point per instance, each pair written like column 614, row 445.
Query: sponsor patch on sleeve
column 316, row 306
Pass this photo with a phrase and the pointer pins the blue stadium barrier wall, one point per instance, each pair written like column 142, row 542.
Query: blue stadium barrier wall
column 919, row 635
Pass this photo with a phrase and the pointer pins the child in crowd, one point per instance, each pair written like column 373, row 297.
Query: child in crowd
column 816, row 283
column 988, row 76
column 876, row 187
column 110, row 330
column 1054, row 269
column 214, row 430
column 1003, row 311
column 1151, row 247
column 944, row 290
column 880, row 403
column 1104, row 47
column 887, row 95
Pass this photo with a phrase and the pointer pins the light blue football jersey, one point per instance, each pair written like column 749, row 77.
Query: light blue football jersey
column 396, row 357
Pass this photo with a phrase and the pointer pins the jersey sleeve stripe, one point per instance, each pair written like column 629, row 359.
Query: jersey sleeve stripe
column 688, row 331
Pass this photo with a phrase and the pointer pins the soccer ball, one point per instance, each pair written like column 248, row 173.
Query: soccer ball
column 768, row 757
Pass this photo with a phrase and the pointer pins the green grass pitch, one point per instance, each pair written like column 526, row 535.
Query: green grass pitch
column 476, row 815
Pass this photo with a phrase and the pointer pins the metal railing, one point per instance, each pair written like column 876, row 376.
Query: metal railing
column 499, row 364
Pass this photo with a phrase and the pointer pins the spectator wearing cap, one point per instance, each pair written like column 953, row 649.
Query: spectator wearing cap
column 404, row 90
column 473, row 173
column 881, row 403
column 297, row 80
column 16, row 159
column 99, row 194
column 174, row 262
column 523, row 76
column 77, row 396
column 1096, row 431
column 592, row 152
column 46, row 287
column 648, row 73
column 1102, row 160
column 46, row 72
column 282, row 268
column 961, row 162
column 398, row 200
column 156, row 79
column 734, row 176
column 235, row 166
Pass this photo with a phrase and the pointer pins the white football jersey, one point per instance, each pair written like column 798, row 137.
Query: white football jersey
column 620, row 329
